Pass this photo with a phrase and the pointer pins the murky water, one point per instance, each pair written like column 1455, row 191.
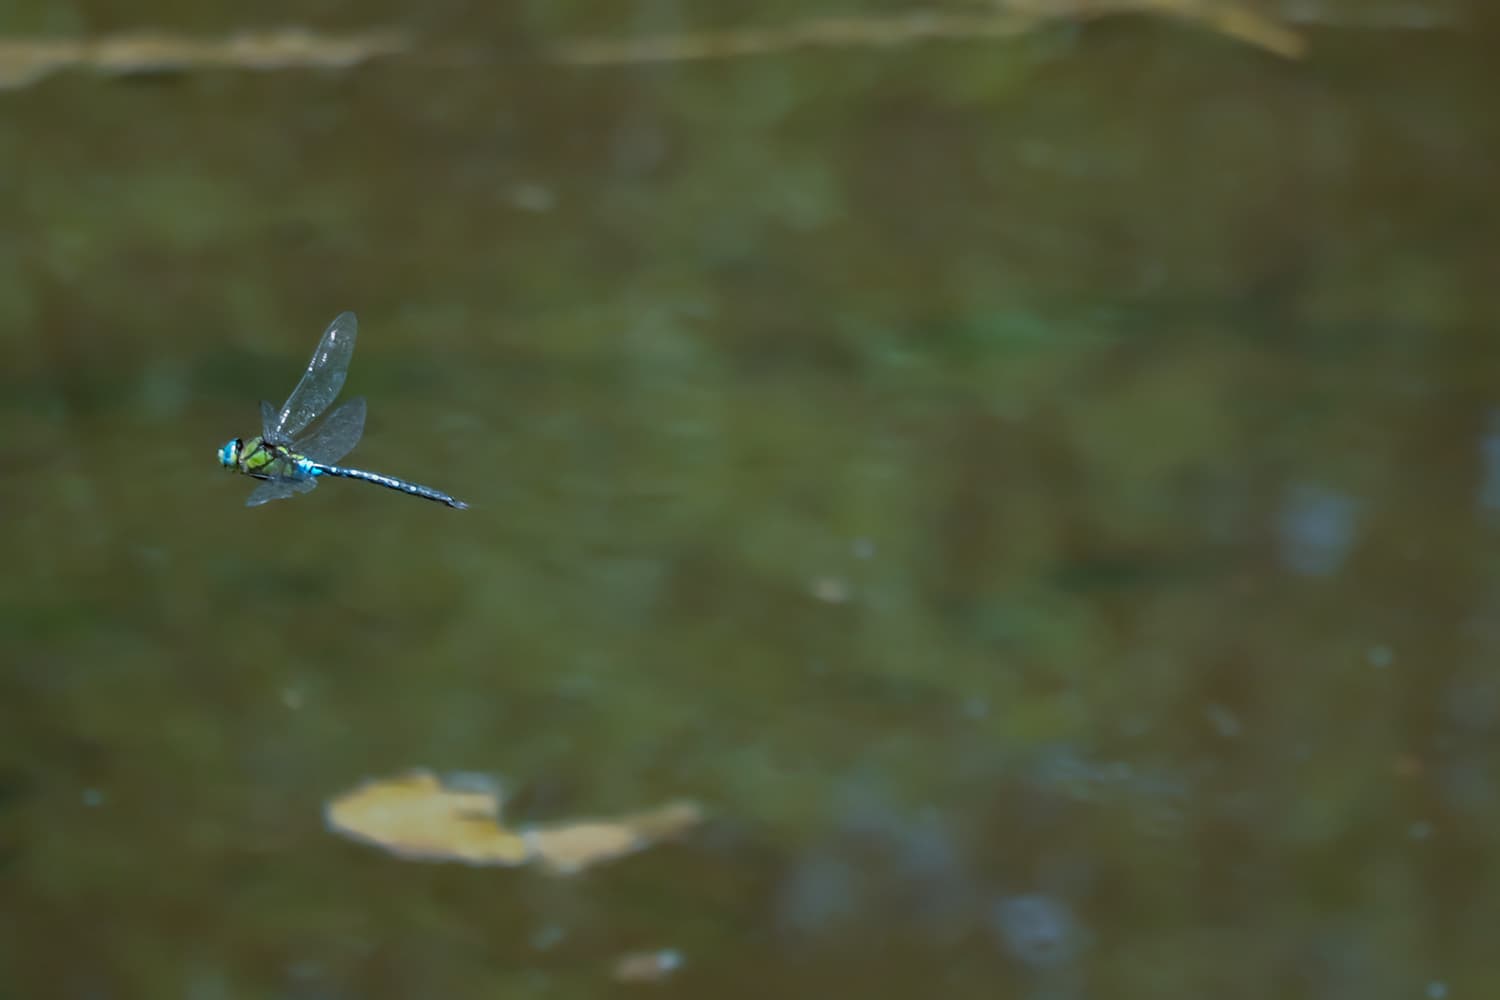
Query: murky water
column 1037, row 493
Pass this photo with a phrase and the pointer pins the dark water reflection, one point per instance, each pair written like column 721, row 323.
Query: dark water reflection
column 1039, row 495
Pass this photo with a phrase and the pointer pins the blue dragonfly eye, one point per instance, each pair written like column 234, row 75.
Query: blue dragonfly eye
column 229, row 454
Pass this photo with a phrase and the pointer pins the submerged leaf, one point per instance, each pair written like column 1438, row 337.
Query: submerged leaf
column 1004, row 19
column 569, row 848
column 24, row 61
column 418, row 816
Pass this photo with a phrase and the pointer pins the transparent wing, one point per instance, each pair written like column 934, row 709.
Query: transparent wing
column 338, row 434
column 268, row 418
column 278, row 489
column 321, row 382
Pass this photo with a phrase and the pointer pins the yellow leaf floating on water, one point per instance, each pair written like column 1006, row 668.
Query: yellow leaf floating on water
column 420, row 817
column 569, row 848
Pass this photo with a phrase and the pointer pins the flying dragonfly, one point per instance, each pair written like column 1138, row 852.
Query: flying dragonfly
column 287, row 464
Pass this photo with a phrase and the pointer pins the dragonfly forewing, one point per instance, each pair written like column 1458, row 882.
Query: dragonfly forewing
column 321, row 382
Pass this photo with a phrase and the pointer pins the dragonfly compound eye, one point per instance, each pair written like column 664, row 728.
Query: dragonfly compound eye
column 229, row 455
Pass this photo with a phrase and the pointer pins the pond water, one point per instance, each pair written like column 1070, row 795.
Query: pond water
column 1038, row 492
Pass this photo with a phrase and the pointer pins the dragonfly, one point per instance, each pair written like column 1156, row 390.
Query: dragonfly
column 287, row 462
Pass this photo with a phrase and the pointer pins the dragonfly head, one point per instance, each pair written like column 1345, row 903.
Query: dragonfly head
column 229, row 455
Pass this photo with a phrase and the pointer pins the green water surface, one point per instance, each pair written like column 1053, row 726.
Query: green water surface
column 1039, row 495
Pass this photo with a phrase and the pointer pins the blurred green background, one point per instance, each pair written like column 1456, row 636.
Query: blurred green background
column 1038, row 493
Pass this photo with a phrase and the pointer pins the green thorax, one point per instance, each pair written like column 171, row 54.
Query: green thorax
column 261, row 458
